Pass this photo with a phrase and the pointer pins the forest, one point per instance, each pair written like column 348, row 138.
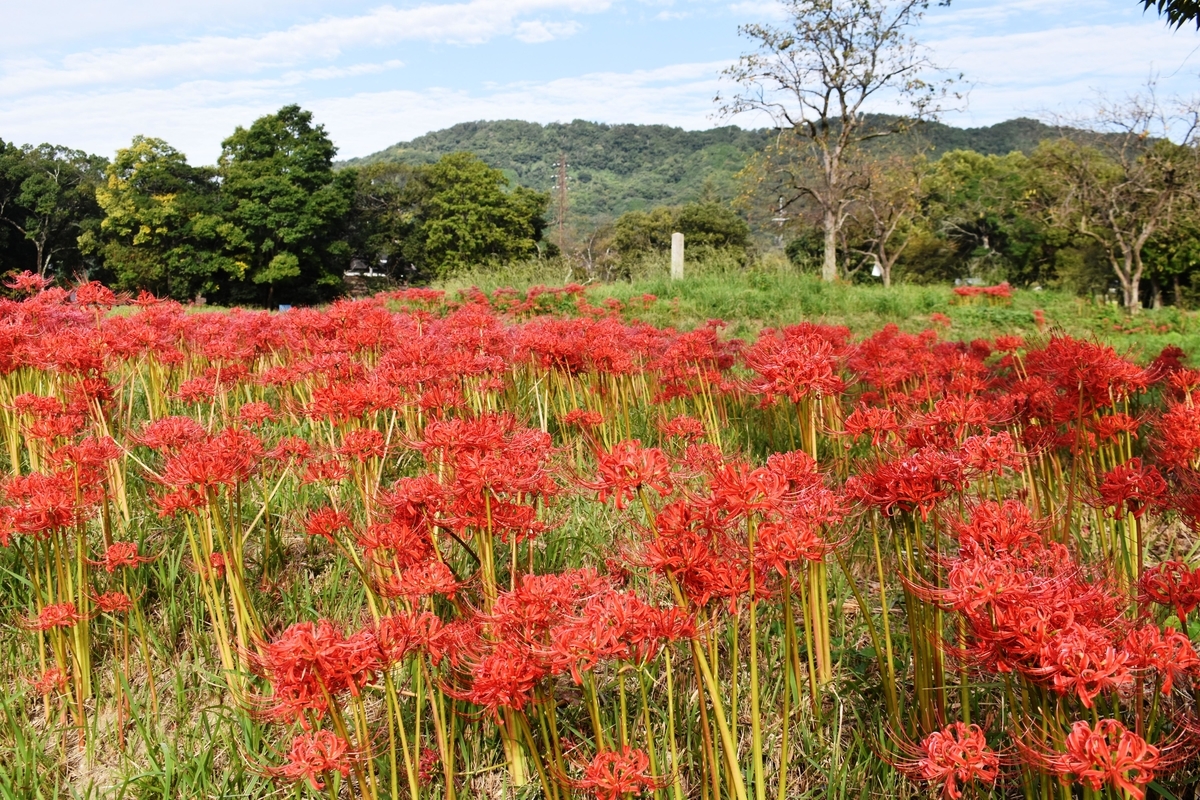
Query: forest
column 1100, row 211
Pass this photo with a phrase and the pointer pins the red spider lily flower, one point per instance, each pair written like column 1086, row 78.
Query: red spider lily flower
column 1084, row 662
column 41, row 503
column 879, row 422
column 170, row 504
column 51, row 681
column 171, row 433
column 504, row 678
column 583, row 419
column 309, row 663
column 1177, row 435
column 256, row 413
column 737, row 491
column 992, row 455
column 683, row 427
column 328, row 470
column 119, row 555
column 954, row 757
column 326, row 523
column 113, row 602
column 363, row 443
column 401, row 635
column 615, row 774
column 55, row 615
column 427, row 766
column 226, row 459
column 1131, row 488
column 1108, row 753
column 798, row 361
column 28, row 282
column 421, row 580
column 913, row 484
column 1167, row 652
column 1109, row 427
column 216, row 564
column 313, row 755
column 628, row 468
column 1171, row 583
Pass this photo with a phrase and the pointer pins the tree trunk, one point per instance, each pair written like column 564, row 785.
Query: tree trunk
column 1155, row 294
column 1132, row 290
column 1178, row 293
column 829, row 265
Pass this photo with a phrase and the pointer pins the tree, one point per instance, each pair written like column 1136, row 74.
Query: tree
column 162, row 229
column 1178, row 12
column 814, row 76
column 887, row 210
column 47, row 196
column 1119, row 190
column 980, row 203
column 384, row 217
column 279, row 189
column 469, row 216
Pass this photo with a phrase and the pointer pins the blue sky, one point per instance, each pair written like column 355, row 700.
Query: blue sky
column 94, row 74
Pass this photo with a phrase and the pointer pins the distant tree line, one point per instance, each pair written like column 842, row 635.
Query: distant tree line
column 272, row 222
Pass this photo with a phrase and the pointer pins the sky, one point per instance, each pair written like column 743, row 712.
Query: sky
column 92, row 74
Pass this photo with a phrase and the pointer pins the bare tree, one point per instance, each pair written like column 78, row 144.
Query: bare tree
column 1120, row 184
column 886, row 209
column 815, row 76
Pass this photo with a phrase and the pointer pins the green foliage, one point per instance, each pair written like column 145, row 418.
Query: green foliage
column 279, row 189
column 47, row 199
column 467, row 215
column 163, row 230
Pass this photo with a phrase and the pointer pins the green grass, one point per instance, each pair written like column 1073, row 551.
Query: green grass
column 772, row 294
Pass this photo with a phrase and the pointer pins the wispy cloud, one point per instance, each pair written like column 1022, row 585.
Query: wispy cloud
column 472, row 22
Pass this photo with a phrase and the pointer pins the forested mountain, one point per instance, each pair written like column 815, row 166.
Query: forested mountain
column 617, row 168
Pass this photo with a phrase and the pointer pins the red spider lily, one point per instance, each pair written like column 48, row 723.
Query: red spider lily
column 113, row 602
column 51, row 681
column 216, row 565
column 401, row 635
column 422, row 580
column 879, row 422
column 583, row 419
column 914, row 484
column 119, row 555
column 954, row 757
column 311, row 662
column 362, row 444
column 171, row 433
column 326, row 523
column 614, row 774
column 28, row 282
column 505, row 678
column 256, row 413
column 1177, row 435
column 1107, row 753
column 52, row 616
column 628, row 468
column 736, row 490
column 1171, row 583
column 1132, row 488
column 1083, row 661
column 226, row 459
column 1167, row 652
column 798, row 361
column 325, row 471
column 683, row 427
column 170, row 504
column 41, row 504
column 993, row 454
column 313, row 755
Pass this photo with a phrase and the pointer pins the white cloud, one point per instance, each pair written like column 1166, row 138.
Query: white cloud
column 471, row 22
column 537, row 31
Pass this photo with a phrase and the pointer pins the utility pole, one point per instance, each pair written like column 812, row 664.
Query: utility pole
column 561, row 190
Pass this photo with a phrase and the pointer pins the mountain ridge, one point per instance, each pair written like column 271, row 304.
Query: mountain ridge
column 614, row 168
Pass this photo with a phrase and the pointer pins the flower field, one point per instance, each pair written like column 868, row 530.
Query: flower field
column 517, row 545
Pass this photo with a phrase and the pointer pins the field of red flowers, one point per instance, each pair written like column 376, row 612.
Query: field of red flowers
column 514, row 545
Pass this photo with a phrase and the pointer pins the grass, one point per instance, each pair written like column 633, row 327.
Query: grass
column 773, row 294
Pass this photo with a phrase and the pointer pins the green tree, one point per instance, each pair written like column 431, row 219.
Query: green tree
column 279, row 189
column 467, row 215
column 48, row 198
column 1177, row 12
column 384, row 219
column 162, row 229
column 706, row 227
column 980, row 204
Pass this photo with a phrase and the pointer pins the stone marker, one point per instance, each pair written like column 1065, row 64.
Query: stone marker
column 676, row 256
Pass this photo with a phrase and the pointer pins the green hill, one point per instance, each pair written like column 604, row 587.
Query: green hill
column 617, row 168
